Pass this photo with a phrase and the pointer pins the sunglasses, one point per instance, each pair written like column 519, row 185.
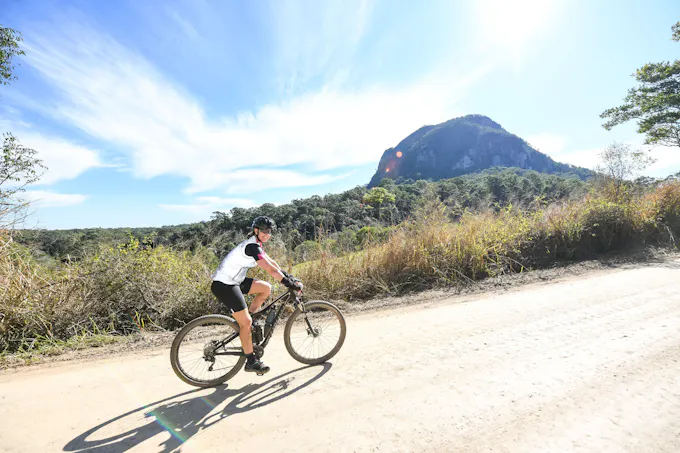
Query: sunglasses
column 267, row 231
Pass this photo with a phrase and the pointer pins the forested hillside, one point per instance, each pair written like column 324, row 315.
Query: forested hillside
column 348, row 217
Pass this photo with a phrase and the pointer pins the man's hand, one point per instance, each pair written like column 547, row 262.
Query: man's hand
column 297, row 283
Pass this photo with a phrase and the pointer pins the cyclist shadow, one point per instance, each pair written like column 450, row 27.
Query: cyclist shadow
column 185, row 418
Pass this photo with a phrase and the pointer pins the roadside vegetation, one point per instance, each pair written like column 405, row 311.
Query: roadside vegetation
column 70, row 289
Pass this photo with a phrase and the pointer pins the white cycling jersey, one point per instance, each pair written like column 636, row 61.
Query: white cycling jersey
column 233, row 268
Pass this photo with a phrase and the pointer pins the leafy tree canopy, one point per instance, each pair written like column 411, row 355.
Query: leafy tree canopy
column 654, row 103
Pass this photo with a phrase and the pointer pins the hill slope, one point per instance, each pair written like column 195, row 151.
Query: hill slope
column 460, row 146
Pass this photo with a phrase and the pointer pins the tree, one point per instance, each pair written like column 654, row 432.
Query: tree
column 18, row 168
column 655, row 103
column 620, row 163
column 18, row 164
column 377, row 196
column 9, row 48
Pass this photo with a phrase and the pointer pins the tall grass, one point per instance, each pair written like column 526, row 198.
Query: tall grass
column 120, row 290
column 432, row 250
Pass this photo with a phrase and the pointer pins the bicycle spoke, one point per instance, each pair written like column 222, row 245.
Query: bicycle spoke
column 325, row 333
column 191, row 354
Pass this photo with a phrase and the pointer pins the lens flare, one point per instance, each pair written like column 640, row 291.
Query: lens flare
column 169, row 425
column 399, row 154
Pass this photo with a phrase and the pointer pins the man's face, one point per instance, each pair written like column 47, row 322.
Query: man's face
column 264, row 234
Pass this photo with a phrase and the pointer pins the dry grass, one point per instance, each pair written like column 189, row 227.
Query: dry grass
column 433, row 251
column 117, row 291
column 129, row 288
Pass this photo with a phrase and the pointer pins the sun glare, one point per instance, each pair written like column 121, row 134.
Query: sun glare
column 510, row 26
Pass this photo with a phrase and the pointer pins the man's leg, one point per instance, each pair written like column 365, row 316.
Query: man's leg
column 262, row 291
column 232, row 297
column 245, row 323
column 253, row 364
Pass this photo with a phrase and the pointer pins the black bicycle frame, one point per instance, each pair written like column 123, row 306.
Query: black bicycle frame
column 261, row 314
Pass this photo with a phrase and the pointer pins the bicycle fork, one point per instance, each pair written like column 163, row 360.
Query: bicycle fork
column 310, row 330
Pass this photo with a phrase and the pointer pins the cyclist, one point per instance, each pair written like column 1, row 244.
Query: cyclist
column 229, row 284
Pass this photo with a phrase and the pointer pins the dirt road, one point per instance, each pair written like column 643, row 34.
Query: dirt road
column 586, row 365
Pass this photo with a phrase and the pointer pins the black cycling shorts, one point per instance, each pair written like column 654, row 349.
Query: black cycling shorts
column 232, row 295
column 246, row 285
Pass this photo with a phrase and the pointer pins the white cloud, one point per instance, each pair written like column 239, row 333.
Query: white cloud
column 667, row 158
column 185, row 26
column 116, row 95
column 45, row 199
column 588, row 158
column 547, row 143
column 555, row 146
column 667, row 161
column 317, row 38
column 64, row 160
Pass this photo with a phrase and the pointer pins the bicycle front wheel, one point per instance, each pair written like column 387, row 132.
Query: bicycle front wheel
column 315, row 335
column 207, row 351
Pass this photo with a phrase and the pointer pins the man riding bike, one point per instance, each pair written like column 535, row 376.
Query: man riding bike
column 229, row 284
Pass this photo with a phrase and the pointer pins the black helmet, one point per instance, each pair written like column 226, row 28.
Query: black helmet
column 263, row 223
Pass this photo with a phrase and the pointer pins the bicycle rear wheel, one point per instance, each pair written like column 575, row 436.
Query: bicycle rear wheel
column 315, row 335
column 207, row 351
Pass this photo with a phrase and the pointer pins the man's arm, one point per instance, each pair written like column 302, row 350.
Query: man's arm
column 270, row 266
column 272, row 261
column 276, row 273
column 276, row 265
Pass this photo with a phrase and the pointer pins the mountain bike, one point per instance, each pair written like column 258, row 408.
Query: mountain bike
column 207, row 351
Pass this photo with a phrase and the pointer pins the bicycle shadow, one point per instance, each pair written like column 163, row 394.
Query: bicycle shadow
column 185, row 418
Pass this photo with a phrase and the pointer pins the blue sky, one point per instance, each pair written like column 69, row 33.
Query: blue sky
column 160, row 112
